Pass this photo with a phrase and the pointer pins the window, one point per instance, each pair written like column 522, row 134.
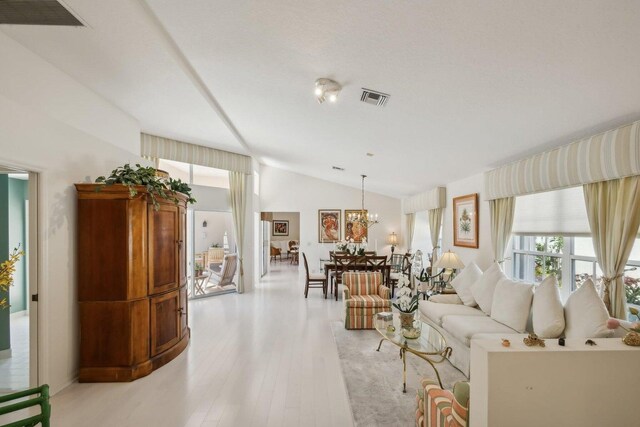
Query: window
column 572, row 260
column 195, row 174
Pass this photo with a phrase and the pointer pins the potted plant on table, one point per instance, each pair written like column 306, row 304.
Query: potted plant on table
column 407, row 306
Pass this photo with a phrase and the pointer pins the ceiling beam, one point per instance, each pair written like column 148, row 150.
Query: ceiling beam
column 185, row 65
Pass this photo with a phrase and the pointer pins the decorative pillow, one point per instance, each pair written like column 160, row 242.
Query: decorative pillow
column 462, row 283
column 482, row 289
column 547, row 310
column 585, row 314
column 512, row 303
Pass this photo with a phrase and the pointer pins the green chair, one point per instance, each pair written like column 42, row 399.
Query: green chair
column 41, row 399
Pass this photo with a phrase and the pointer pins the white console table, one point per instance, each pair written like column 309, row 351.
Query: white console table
column 575, row 385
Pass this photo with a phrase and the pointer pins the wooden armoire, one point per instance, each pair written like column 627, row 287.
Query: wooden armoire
column 132, row 282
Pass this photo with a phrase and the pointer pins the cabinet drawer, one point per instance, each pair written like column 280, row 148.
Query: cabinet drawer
column 166, row 321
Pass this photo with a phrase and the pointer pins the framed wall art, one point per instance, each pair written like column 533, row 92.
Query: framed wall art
column 329, row 225
column 280, row 228
column 465, row 221
column 353, row 229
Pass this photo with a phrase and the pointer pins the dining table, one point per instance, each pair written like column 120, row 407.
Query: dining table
column 386, row 272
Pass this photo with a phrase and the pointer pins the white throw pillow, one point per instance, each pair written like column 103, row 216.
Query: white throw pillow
column 462, row 283
column 482, row 289
column 512, row 303
column 547, row 311
column 585, row 314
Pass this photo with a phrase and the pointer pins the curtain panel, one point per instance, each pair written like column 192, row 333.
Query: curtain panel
column 435, row 224
column 156, row 147
column 609, row 155
column 613, row 208
column 501, row 213
column 411, row 225
column 238, row 191
column 433, row 199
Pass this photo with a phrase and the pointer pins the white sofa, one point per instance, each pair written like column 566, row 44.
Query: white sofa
column 584, row 313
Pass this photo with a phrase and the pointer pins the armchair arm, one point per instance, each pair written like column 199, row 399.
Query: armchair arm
column 346, row 293
column 384, row 292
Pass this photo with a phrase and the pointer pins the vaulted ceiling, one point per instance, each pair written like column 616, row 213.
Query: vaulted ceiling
column 472, row 84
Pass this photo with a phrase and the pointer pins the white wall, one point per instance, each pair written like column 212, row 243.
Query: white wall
column 52, row 125
column 283, row 191
column 294, row 225
column 217, row 224
column 483, row 256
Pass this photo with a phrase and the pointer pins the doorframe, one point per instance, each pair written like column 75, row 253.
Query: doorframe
column 36, row 259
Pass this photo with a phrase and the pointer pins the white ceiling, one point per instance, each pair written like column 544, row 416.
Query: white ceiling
column 472, row 84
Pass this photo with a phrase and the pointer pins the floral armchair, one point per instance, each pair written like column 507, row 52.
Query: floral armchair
column 364, row 297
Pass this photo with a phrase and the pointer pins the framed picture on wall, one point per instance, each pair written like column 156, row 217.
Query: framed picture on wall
column 465, row 221
column 280, row 228
column 329, row 225
column 354, row 230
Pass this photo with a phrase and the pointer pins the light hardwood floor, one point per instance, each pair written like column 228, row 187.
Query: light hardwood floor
column 264, row 358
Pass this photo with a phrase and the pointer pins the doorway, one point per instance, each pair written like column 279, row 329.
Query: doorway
column 18, row 313
column 280, row 240
column 213, row 253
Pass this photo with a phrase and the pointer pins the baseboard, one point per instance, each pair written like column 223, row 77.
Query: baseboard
column 5, row 354
column 19, row 314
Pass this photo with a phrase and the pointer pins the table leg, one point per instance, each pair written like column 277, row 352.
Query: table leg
column 404, row 371
column 380, row 345
column 436, row 371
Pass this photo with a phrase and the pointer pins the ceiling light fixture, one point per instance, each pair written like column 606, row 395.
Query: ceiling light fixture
column 327, row 89
column 366, row 220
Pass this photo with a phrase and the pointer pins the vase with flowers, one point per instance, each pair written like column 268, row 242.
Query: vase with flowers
column 7, row 269
column 351, row 247
column 407, row 305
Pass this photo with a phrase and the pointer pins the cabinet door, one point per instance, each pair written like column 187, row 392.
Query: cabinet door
column 164, row 243
column 182, row 246
column 184, row 311
column 165, row 321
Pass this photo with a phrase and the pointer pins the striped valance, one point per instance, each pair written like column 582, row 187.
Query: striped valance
column 609, row 155
column 157, row 147
column 433, row 199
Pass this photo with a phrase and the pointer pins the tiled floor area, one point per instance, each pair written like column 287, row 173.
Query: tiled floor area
column 14, row 371
column 265, row 358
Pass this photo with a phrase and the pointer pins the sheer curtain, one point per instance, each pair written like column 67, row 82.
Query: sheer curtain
column 435, row 223
column 411, row 225
column 613, row 208
column 501, row 213
column 238, row 190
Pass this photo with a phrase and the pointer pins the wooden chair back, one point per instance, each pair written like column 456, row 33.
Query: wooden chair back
column 306, row 265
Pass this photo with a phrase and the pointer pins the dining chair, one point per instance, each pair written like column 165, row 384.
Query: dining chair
column 313, row 280
column 405, row 269
column 379, row 263
column 343, row 263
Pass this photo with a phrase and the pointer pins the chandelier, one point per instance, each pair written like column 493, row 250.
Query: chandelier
column 362, row 217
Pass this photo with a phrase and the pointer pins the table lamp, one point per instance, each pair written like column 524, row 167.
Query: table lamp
column 393, row 241
column 449, row 260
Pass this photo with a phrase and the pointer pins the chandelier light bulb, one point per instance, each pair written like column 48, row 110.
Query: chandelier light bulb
column 333, row 97
column 318, row 91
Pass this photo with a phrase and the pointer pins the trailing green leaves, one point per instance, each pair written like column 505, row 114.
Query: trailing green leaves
column 146, row 176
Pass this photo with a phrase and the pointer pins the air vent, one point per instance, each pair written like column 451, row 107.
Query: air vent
column 374, row 97
column 337, row 168
column 36, row 12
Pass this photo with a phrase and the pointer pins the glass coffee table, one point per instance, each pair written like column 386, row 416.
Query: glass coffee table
column 430, row 346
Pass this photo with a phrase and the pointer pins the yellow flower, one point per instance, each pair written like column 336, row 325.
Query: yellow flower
column 7, row 269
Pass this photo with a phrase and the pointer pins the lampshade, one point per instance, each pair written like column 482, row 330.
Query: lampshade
column 449, row 260
column 393, row 239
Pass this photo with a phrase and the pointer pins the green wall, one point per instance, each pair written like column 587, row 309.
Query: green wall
column 18, row 194
column 5, row 337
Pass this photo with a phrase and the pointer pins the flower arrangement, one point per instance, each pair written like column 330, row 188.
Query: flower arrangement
column 351, row 247
column 633, row 332
column 405, row 302
column 7, row 269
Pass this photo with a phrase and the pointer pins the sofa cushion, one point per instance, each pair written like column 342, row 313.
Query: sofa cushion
column 482, row 290
column 547, row 311
column 462, row 283
column 465, row 327
column 367, row 301
column 512, row 303
column 446, row 299
column 585, row 314
column 435, row 311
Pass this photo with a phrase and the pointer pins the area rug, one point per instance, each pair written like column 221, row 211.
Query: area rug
column 374, row 379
